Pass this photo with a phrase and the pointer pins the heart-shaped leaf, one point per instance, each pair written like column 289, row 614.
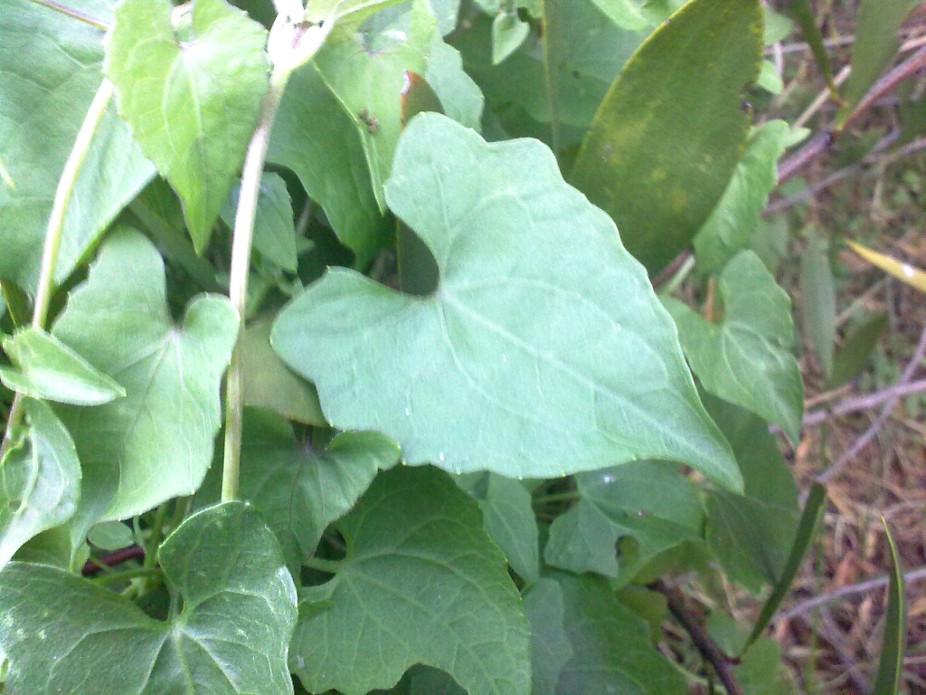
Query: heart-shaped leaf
column 421, row 583
column 299, row 489
column 543, row 351
column 192, row 96
column 649, row 501
column 39, row 479
column 63, row 634
column 746, row 358
column 156, row 443
column 47, row 368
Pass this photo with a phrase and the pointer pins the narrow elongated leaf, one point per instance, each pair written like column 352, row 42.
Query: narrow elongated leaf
column 156, row 443
column 806, row 531
column 668, row 135
column 804, row 16
column 818, row 292
column 43, row 108
column 746, row 358
column 611, row 650
column 62, row 632
column 733, row 220
column 904, row 272
column 192, row 101
column 536, row 355
column 649, row 501
column 365, row 69
column 47, row 368
column 421, row 583
column 269, row 384
column 890, row 664
column 752, row 535
column 39, row 479
column 318, row 140
column 298, row 489
column 875, row 45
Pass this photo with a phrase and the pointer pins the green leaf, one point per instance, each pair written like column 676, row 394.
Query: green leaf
column 804, row 16
column 274, row 229
column 753, row 534
column 508, row 517
column 875, row 45
column 39, row 121
column 111, row 535
column 649, row 501
column 856, row 350
column 460, row 96
column 299, row 489
column 446, row 12
column 890, row 665
column 746, row 358
column 39, row 479
column 761, row 671
column 533, row 357
column 64, row 634
column 611, row 650
column 421, row 583
column 46, row 368
column 818, row 292
column 585, row 51
column 806, row 531
column 668, row 135
column 624, row 13
column 269, row 384
column 550, row 646
column 508, row 33
column 735, row 218
column 156, row 443
column 318, row 140
column 364, row 66
column 192, row 101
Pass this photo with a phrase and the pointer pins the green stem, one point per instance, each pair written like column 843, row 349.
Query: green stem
column 151, row 552
column 75, row 14
column 238, row 278
column 115, row 577
column 322, row 565
column 55, row 230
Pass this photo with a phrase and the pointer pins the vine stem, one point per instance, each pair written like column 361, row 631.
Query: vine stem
column 73, row 13
column 238, row 279
column 55, row 229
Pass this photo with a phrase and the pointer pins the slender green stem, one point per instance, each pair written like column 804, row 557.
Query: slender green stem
column 115, row 577
column 55, row 230
column 238, row 278
column 322, row 565
column 151, row 552
column 71, row 12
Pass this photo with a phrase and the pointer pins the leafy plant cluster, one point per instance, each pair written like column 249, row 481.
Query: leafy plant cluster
column 462, row 437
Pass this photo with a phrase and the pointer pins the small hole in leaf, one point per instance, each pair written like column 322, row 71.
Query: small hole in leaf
column 15, row 505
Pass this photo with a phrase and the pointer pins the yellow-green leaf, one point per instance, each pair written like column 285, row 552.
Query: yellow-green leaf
column 904, row 272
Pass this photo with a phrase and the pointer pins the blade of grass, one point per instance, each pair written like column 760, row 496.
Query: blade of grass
column 806, row 530
column 890, row 665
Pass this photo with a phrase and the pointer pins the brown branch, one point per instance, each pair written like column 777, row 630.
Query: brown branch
column 823, row 140
column 117, row 557
column 723, row 665
column 73, row 13
column 857, row 404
